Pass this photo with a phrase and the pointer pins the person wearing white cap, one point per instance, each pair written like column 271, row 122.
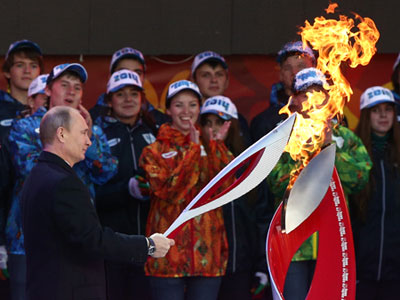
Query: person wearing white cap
column 352, row 163
column 36, row 93
column 210, row 72
column 177, row 167
column 219, row 121
column 129, row 59
column 123, row 202
column 376, row 209
column 292, row 58
column 64, row 87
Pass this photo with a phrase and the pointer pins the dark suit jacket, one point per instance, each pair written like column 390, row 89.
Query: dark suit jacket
column 64, row 241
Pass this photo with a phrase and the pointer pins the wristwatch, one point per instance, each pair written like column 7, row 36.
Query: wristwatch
column 152, row 247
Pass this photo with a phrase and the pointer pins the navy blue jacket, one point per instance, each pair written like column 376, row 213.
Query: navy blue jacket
column 377, row 238
column 268, row 119
column 117, row 209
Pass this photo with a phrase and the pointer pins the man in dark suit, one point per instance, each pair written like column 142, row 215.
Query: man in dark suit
column 64, row 241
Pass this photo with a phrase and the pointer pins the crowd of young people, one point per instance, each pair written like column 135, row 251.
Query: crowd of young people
column 144, row 166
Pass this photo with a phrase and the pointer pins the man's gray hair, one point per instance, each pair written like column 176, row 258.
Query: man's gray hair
column 59, row 116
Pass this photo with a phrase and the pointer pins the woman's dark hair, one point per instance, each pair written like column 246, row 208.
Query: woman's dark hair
column 363, row 130
column 144, row 115
column 168, row 101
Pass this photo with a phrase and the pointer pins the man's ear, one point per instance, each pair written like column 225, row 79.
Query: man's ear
column 7, row 75
column 47, row 91
column 60, row 134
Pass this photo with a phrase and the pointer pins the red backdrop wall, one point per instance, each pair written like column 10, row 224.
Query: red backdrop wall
column 251, row 77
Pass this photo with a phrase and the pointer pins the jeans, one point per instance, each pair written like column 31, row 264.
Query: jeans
column 185, row 288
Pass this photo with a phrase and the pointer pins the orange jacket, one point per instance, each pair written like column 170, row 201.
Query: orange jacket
column 177, row 169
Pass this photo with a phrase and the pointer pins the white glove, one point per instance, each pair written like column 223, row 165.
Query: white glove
column 135, row 189
column 260, row 283
column 263, row 277
column 3, row 258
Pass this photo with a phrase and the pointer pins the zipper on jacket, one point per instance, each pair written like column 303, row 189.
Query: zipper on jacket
column 130, row 131
column 132, row 149
column 382, row 221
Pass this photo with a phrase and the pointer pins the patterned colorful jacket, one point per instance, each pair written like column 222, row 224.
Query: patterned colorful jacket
column 177, row 169
column 98, row 167
column 352, row 164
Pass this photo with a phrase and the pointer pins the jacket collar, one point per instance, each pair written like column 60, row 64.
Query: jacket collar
column 49, row 157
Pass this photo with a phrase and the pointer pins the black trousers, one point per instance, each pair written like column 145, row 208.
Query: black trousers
column 236, row 286
column 374, row 290
column 126, row 281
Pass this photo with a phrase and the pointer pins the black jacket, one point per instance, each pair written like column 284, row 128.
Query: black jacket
column 64, row 241
column 377, row 238
column 117, row 209
column 268, row 119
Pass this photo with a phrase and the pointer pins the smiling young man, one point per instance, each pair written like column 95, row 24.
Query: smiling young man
column 23, row 63
column 64, row 88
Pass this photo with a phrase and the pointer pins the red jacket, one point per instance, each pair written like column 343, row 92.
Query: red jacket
column 177, row 169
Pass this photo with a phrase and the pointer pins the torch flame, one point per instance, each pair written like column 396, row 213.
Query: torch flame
column 331, row 8
column 336, row 43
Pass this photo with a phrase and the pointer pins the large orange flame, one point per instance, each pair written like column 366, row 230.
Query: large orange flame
column 335, row 43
